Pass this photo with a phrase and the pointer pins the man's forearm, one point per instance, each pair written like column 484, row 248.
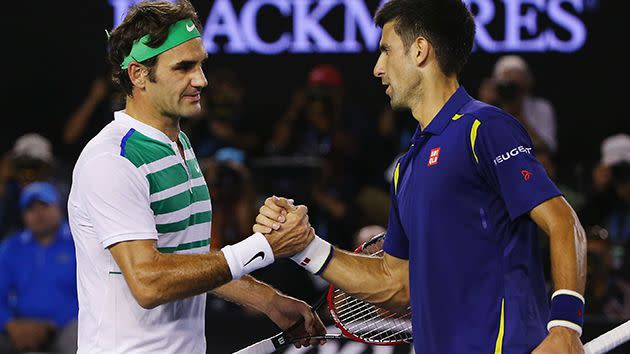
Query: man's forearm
column 568, row 255
column 172, row 277
column 249, row 292
column 369, row 278
column 567, row 242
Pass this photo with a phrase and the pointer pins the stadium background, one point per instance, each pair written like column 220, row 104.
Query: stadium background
column 54, row 49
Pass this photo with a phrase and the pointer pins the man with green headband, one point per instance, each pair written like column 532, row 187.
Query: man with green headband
column 140, row 210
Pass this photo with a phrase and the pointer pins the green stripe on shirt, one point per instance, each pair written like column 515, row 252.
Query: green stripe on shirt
column 194, row 219
column 193, row 167
column 140, row 149
column 167, row 178
column 180, row 201
column 185, row 246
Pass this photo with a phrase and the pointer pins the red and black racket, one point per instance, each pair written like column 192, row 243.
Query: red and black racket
column 358, row 320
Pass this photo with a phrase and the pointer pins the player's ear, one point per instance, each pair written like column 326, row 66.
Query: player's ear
column 420, row 50
column 138, row 74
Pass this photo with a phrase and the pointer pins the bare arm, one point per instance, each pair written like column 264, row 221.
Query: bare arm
column 283, row 310
column 249, row 292
column 567, row 243
column 156, row 278
column 377, row 280
column 75, row 127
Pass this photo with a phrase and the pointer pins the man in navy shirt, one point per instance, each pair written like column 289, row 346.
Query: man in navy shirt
column 38, row 292
column 467, row 198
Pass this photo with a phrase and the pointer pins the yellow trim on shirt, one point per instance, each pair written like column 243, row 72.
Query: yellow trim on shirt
column 396, row 172
column 457, row 116
column 498, row 347
column 473, row 137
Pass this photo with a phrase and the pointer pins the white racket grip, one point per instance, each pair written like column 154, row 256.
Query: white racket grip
column 265, row 346
column 609, row 340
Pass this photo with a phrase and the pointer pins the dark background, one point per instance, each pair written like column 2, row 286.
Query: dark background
column 52, row 50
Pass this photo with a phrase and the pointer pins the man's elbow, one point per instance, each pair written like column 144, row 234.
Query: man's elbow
column 399, row 299
column 145, row 290
column 146, row 299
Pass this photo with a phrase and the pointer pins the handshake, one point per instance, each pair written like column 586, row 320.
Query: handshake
column 285, row 226
column 281, row 230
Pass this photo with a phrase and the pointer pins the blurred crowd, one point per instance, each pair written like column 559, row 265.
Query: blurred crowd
column 323, row 151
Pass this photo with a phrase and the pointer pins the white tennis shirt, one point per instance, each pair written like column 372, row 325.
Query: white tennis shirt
column 131, row 183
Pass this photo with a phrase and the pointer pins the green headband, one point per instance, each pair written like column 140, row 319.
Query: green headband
column 178, row 33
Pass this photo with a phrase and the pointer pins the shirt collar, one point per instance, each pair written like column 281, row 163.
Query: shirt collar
column 144, row 129
column 450, row 108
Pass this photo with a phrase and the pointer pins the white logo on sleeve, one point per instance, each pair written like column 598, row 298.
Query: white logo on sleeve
column 190, row 28
column 507, row 155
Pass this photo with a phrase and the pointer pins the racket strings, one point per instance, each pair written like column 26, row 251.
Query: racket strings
column 367, row 321
column 370, row 322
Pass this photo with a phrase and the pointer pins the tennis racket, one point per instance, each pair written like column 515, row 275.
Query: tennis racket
column 358, row 320
column 609, row 340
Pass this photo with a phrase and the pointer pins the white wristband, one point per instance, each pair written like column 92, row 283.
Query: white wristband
column 563, row 313
column 315, row 256
column 248, row 255
column 567, row 324
column 568, row 292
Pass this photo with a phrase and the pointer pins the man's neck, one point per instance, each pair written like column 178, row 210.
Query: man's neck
column 142, row 111
column 46, row 238
column 433, row 96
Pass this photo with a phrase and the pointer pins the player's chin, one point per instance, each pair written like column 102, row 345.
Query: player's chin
column 191, row 109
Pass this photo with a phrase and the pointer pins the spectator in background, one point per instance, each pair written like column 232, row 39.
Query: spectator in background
column 333, row 202
column 38, row 293
column 90, row 116
column 607, row 295
column 316, row 118
column 547, row 158
column 30, row 160
column 223, row 120
column 320, row 123
column 608, row 206
column 510, row 88
column 233, row 196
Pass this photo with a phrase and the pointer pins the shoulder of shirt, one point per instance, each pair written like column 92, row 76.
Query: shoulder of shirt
column 487, row 114
column 106, row 144
column 13, row 240
column 66, row 233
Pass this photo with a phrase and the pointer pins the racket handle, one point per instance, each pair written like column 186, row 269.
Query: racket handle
column 608, row 340
column 265, row 346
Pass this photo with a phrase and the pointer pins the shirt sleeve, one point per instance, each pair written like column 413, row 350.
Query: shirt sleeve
column 396, row 241
column 5, row 285
column 116, row 199
column 503, row 150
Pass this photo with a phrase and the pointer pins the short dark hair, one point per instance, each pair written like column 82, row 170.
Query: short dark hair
column 446, row 24
column 147, row 17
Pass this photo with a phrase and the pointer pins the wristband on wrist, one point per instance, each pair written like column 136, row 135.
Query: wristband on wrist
column 567, row 310
column 315, row 257
column 248, row 255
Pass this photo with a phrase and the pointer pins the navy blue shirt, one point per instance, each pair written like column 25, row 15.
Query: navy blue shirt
column 38, row 282
column 460, row 202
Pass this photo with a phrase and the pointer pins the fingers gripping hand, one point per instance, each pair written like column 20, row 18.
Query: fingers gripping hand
column 272, row 214
column 294, row 235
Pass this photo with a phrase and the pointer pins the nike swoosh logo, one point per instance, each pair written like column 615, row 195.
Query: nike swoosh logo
column 260, row 254
column 191, row 28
